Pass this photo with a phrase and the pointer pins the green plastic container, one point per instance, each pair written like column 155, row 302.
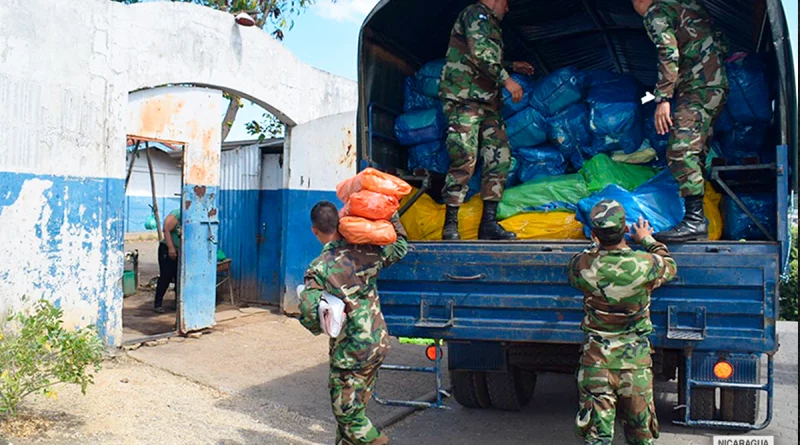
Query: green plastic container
column 128, row 283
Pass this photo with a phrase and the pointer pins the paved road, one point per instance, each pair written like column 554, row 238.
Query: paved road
column 549, row 418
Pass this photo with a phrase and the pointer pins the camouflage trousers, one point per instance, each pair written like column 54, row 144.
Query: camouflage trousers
column 350, row 393
column 608, row 393
column 475, row 129
column 693, row 121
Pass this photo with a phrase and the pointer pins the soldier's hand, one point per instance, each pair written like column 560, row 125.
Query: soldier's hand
column 515, row 89
column 523, row 68
column 641, row 230
column 663, row 118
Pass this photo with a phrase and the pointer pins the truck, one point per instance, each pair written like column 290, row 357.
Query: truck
column 505, row 309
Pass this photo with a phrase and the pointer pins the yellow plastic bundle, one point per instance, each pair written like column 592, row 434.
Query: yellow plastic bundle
column 544, row 225
column 711, row 202
column 424, row 221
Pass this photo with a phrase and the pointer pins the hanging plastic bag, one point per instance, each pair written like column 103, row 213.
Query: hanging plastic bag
column 432, row 156
column 657, row 201
column 526, row 129
column 538, row 162
column 370, row 205
column 559, row 191
column 557, row 90
column 569, row 132
column 358, row 230
column 420, row 127
column 544, row 225
column 600, row 172
column 424, row 220
column 711, row 201
column 510, row 107
column 150, row 223
column 373, row 180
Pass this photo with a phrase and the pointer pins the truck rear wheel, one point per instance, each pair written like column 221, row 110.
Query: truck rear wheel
column 739, row 405
column 511, row 390
column 703, row 399
column 469, row 389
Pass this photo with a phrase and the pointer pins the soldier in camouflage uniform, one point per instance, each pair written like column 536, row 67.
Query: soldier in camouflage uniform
column 350, row 272
column 615, row 375
column 470, row 88
column 691, row 71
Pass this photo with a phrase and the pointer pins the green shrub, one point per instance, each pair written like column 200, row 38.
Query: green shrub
column 37, row 353
column 789, row 284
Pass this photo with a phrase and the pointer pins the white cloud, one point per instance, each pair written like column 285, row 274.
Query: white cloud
column 345, row 10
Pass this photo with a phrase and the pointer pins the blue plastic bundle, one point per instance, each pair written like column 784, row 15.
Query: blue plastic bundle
column 749, row 100
column 414, row 101
column 569, row 132
column 428, row 77
column 510, row 107
column 615, row 126
column 420, row 127
column 746, row 141
column 557, row 91
column 724, row 121
column 739, row 226
column 657, row 201
column 608, row 86
column 536, row 162
column 526, row 129
column 432, row 156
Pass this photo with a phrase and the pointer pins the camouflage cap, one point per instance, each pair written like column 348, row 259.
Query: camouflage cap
column 608, row 218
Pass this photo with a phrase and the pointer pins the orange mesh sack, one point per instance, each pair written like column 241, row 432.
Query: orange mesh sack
column 370, row 205
column 375, row 181
column 358, row 230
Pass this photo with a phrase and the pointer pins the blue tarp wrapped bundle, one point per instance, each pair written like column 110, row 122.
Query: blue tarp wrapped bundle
column 615, row 126
column 526, row 129
column 510, row 107
column 739, row 226
column 415, row 101
column 749, row 100
column 431, row 156
column 569, row 132
column 420, row 127
column 557, row 90
column 536, row 162
column 746, row 141
column 724, row 121
column 657, row 201
column 608, row 86
column 428, row 77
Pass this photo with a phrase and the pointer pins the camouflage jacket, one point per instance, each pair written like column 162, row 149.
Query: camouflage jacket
column 350, row 272
column 474, row 68
column 690, row 51
column 616, row 285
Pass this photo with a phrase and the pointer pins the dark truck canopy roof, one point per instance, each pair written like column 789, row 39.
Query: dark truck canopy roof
column 400, row 35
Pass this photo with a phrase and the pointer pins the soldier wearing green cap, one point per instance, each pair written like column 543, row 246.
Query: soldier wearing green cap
column 615, row 376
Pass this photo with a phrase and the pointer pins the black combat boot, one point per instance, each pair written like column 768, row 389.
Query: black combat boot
column 450, row 231
column 490, row 229
column 693, row 227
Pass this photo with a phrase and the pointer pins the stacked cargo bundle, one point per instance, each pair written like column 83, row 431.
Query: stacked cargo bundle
column 576, row 138
column 370, row 199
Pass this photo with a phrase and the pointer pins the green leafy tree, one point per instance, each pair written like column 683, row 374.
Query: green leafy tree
column 270, row 126
column 37, row 353
column 789, row 284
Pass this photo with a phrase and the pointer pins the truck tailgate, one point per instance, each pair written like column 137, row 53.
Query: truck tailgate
column 724, row 295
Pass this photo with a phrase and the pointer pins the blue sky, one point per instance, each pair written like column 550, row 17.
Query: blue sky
column 326, row 36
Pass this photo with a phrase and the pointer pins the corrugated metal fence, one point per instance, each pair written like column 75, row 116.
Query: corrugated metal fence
column 239, row 217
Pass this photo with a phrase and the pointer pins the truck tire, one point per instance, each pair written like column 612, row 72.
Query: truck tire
column 509, row 390
column 469, row 389
column 739, row 405
column 703, row 399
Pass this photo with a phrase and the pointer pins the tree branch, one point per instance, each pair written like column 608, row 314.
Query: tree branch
column 230, row 116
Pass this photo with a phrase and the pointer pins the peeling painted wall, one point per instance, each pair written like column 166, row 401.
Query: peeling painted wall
column 64, row 86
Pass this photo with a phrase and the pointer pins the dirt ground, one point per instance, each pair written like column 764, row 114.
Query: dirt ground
column 261, row 379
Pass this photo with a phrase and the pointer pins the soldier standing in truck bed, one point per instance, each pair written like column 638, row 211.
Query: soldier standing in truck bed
column 472, row 79
column 691, row 72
